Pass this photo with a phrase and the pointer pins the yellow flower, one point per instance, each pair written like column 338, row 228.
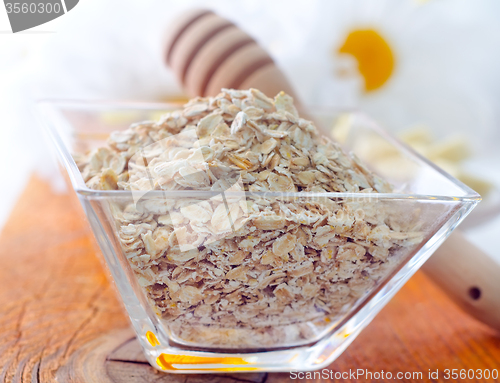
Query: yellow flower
column 373, row 55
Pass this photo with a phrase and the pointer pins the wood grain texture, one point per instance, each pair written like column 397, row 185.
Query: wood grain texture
column 54, row 295
column 60, row 319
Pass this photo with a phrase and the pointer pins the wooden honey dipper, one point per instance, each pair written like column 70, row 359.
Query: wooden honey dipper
column 208, row 52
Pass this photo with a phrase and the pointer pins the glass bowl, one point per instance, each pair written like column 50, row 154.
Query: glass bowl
column 216, row 299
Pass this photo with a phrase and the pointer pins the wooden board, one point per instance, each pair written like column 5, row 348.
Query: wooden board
column 60, row 320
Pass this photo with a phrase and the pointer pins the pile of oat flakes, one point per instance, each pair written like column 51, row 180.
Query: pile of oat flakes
column 259, row 271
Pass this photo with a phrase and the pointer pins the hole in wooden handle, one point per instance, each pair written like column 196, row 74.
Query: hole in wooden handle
column 475, row 293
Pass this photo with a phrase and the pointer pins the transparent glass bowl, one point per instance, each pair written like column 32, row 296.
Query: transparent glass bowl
column 297, row 312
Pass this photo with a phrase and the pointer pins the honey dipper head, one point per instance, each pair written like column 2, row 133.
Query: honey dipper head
column 208, row 52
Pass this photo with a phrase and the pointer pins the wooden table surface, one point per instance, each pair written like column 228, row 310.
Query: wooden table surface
column 60, row 320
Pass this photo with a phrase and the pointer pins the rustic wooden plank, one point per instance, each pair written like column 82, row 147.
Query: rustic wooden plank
column 88, row 363
column 129, row 351
column 141, row 373
column 117, row 357
column 59, row 317
column 54, row 296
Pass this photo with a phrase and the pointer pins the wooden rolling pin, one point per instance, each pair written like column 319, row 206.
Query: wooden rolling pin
column 208, row 52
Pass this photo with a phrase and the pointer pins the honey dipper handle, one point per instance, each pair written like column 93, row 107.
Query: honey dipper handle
column 469, row 276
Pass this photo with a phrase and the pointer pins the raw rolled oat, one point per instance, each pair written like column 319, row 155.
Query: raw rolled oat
column 248, row 266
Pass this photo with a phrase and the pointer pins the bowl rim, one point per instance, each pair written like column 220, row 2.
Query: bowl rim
column 47, row 112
